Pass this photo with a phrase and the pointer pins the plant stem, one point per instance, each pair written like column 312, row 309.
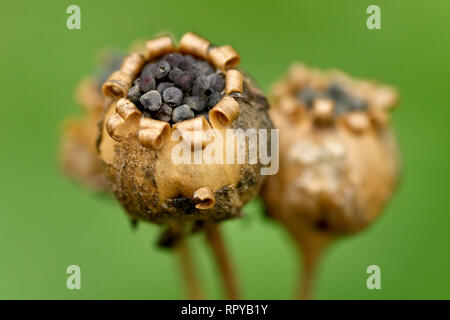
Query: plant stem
column 311, row 249
column 216, row 243
column 187, row 269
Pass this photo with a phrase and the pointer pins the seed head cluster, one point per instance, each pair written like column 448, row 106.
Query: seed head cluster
column 177, row 87
column 343, row 101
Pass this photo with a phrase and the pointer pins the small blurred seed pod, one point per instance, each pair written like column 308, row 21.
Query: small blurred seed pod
column 339, row 162
column 169, row 89
column 78, row 153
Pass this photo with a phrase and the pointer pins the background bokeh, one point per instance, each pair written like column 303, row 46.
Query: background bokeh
column 47, row 222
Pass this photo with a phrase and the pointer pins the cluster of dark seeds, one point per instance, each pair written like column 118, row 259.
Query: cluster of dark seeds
column 343, row 101
column 176, row 88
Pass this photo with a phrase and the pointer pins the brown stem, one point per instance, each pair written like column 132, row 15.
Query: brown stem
column 215, row 241
column 187, row 269
column 311, row 250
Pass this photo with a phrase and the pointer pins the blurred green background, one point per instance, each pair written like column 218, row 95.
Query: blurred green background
column 47, row 222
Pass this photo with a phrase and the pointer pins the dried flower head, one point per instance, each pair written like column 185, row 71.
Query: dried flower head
column 338, row 157
column 189, row 87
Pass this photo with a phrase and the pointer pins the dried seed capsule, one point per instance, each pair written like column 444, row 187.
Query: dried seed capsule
column 151, row 100
column 173, row 96
column 182, row 113
column 331, row 182
column 145, row 178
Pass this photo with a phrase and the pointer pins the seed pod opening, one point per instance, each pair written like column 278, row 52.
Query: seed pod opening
column 184, row 103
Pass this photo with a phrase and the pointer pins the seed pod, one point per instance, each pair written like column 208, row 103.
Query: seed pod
column 339, row 164
column 138, row 160
column 78, row 152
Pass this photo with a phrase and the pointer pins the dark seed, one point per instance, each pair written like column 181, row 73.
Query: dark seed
column 186, row 65
column 340, row 107
column 161, row 69
column 137, row 81
column 174, row 73
column 203, row 68
column 148, row 67
column 147, row 82
column 134, row 94
column 163, row 86
column 173, row 59
column 196, row 103
column 184, row 80
column 190, row 59
column 337, row 92
column 173, row 96
column 216, row 82
column 164, row 113
column 213, row 99
column 200, row 86
column 151, row 100
column 356, row 104
column 181, row 113
column 307, row 95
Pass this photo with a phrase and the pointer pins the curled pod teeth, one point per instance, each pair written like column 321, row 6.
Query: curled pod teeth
column 127, row 110
column 357, row 122
column 224, row 57
column 123, row 120
column 132, row 64
column 379, row 117
column 323, row 111
column 117, row 85
column 206, row 198
column 385, row 97
column 112, row 124
column 195, row 45
column 234, row 82
column 225, row 112
column 194, row 132
column 119, row 82
column 158, row 47
column 152, row 133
